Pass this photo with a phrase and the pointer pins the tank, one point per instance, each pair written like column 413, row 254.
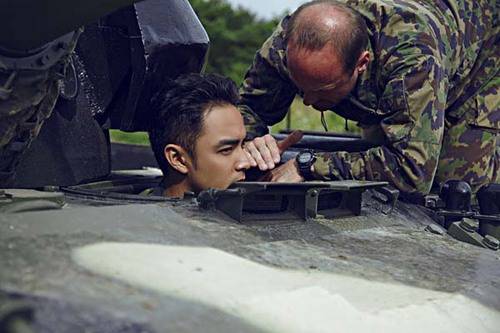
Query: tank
column 82, row 251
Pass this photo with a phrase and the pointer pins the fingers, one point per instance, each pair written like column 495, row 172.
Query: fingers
column 290, row 140
column 251, row 160
column 286, row 173
column 264, row 152
column 255, row 156
column 272, row 144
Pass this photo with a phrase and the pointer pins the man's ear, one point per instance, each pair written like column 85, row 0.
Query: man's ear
column 363, row 61
column 177, row 157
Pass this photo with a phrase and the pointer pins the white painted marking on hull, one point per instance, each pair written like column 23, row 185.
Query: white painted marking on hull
column 278, row 300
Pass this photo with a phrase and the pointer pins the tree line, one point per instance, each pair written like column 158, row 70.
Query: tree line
column 235, row 35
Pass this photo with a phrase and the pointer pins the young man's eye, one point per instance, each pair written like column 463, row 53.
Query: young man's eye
column 226, row 151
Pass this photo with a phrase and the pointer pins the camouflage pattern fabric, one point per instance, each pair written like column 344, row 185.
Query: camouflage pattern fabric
column 430, row 94
column 471, row 151
column 27, row 98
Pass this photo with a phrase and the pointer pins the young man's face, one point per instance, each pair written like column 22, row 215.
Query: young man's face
column 219, row 156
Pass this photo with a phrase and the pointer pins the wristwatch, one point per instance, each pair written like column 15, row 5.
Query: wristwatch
column 305, row 160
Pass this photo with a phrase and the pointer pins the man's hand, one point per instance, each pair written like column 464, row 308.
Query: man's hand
column 265, row 152
column 286, row 173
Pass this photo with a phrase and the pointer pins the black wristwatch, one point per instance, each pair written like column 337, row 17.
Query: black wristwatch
column 305, row 160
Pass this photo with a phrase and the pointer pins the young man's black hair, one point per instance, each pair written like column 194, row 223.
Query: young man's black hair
column 180, row 112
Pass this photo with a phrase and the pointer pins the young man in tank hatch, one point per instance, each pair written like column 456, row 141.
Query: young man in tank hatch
column 197, row 135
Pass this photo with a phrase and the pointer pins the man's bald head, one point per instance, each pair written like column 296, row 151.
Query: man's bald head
column 319, row 23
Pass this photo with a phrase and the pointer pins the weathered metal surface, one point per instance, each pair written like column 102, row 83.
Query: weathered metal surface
column 36, row 250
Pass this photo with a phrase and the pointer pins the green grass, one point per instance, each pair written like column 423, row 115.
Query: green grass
column 137, row 138
column 302, row 117
column 306, row 118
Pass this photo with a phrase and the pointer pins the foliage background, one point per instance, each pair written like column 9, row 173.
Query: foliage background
column 235, row 35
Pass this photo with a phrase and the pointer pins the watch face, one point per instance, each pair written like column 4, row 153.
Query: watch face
column 305, row 157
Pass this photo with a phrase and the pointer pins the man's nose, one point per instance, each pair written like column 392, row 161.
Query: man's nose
column 309, row 99
column 242, row 163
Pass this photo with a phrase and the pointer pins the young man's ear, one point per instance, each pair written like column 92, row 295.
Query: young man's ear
column 177, row 157
column 363, row 61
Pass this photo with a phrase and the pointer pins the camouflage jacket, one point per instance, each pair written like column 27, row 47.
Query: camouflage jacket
column 424, row 59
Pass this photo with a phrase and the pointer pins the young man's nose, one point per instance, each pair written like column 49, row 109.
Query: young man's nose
column 243, row 163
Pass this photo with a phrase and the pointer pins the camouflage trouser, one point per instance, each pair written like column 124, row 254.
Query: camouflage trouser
column 470, row 149
column 27, row 98
column 26, row 106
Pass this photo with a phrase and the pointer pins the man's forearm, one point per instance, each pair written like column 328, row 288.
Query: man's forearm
column 409, row 166
column 254, row 125
column 28, row 24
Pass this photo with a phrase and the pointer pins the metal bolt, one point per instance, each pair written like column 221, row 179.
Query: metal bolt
column 430, row 203
column 314, row 193
column 491, row 242
column 469, row 225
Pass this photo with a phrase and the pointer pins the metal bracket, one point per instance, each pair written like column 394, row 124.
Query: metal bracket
column 386, row 195
column 264, row 202
column 466, row 231
column 23, row 200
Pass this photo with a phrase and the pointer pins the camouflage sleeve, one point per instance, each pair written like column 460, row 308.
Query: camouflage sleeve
column 267, row 91
column 414, row 97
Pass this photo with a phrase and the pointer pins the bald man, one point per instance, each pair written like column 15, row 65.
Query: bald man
column 421, row 78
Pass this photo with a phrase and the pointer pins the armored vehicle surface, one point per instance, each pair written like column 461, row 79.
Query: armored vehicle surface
column 82, row 251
